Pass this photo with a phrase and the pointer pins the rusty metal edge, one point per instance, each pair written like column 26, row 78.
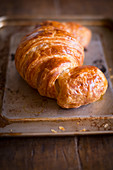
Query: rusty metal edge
column 57, row 119
column 54, row 134
column 20, row 20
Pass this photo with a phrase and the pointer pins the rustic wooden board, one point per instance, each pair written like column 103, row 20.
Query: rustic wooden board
column 65, row 153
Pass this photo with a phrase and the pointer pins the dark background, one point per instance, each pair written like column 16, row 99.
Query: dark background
column 56, row 7
column 62, row 153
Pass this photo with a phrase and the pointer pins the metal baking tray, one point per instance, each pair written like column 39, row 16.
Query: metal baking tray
column 23, row 112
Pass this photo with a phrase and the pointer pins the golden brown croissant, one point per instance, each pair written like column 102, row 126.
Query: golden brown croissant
column 80, row 86
column 51, row 59
column 81, row 33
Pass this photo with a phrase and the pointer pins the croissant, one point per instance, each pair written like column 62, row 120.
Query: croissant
column 51, row 59
column 81, row 33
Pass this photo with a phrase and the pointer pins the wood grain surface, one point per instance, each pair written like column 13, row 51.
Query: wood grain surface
column 83, row 152
column 56, row 153
column 56, row 7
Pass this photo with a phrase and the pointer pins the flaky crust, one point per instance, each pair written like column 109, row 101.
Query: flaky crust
column 42, row 56
column 51, row 59
column 80, row 86
column 82, row 34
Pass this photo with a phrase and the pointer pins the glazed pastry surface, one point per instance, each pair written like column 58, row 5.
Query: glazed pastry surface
column 80, row 86
column 82, row 34
column 50, row 60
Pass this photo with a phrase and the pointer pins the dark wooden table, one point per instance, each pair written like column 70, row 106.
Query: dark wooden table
column 62, row 153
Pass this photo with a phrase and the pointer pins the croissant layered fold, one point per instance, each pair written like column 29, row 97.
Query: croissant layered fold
column 81, row 33
column 50, row 59
column 80, row 86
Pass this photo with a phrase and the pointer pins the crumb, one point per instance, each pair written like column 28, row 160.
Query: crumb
column 111, row 76
column 54, row 131
column 61, row 128
column 78, row 123
column 106, row 125
column 110, row 69
column 83, row 130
